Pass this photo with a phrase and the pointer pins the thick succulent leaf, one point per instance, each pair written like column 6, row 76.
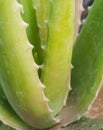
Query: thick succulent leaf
column 87, row 59
column 57, row 64
column 42, row 8
column 88, row 66
column 29, row 15
column 86, row 124
column 18, row 71
column 82, row 124
column 4, row 127
column 8, row 116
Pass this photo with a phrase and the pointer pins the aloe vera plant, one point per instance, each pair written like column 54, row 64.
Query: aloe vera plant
column 47, row 81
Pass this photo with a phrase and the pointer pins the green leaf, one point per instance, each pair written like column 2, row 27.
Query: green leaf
column 42, row 9
column 29, row 16
column 8, row 116
column 87, row 72
column 4, row 127
column 57, row 64
column 18, row 71
column 87, row 59
column 86, row 124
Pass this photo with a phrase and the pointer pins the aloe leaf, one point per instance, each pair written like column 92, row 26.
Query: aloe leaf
column 88, row 65
column 87, row 72
column 29, row 16
column 18, row 71
column 86, row 124
column 57, row 64
column 4, row 127
column 82, row 124
column 8, row 116
column 42, row 9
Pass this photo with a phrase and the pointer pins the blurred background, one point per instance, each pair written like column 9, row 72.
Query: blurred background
column 86, row 3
